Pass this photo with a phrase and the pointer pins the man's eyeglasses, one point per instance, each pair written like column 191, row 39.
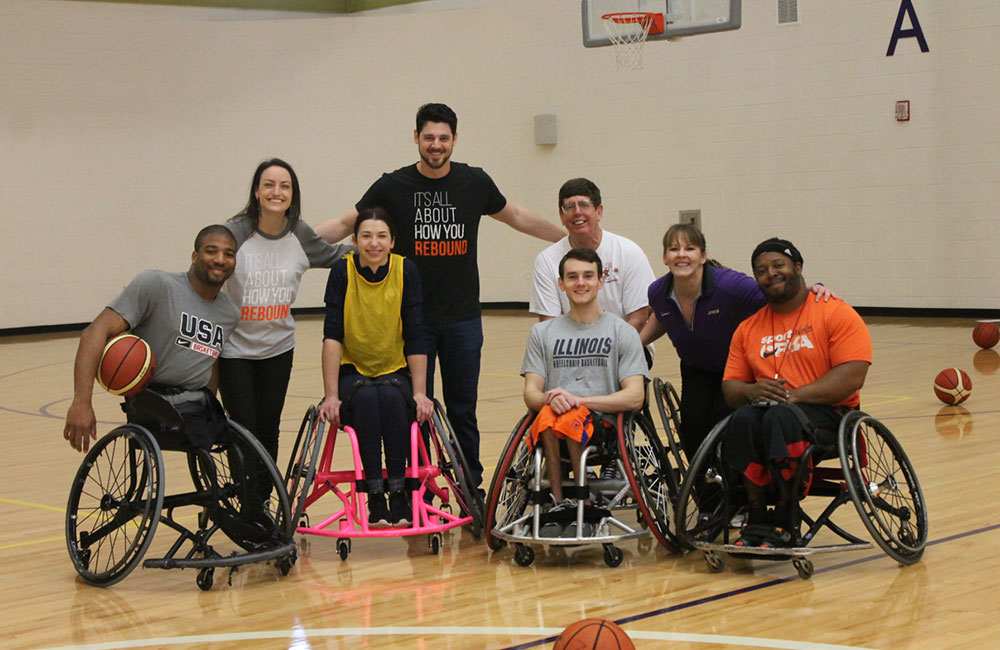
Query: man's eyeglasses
column 573, row 205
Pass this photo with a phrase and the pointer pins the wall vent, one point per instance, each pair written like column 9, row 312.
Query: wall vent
column 788, row 12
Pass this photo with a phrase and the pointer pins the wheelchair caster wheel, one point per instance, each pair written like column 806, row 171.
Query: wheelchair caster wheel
column 206, row 577
column 804, row 566
column 285, row 564
column 203, row 519
column 714, row 561
column 434, row 541
column 343, row 548
column 613, row 555
column 524, row 555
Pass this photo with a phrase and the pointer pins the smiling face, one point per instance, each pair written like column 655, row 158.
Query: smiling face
column 215, row 260
column 581, row 280
column 435, row 142
column 274, row 191
column 374, row 242
column 581, row 217
column 778, row 277
column 684, row 258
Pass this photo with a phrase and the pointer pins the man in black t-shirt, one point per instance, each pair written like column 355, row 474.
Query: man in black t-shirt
column 437, row 205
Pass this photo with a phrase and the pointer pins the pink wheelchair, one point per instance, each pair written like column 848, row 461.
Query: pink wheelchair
column 437, row 470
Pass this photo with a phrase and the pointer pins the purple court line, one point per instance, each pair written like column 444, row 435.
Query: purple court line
column 752, row 588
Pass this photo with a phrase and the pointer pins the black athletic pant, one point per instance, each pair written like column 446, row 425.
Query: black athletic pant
column 702, row 406
column 253, row 392
column 379, row 415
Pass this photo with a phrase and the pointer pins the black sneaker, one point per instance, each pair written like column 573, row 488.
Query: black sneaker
column 399, row 509
column 378, row 513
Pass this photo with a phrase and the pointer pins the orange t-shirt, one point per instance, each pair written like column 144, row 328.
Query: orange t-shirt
column 800, row 346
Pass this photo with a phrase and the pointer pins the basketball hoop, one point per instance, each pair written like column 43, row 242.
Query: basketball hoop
column 628, row 32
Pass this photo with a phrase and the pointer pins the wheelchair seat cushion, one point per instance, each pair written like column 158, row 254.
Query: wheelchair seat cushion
column 179, row 420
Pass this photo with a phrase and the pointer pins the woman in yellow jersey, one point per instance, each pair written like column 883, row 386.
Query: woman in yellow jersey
column 373, row 357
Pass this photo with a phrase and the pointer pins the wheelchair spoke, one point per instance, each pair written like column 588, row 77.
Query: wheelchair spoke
column 114, row 506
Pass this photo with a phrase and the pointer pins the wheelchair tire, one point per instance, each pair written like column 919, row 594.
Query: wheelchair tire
column 644, row 457
column 455, row 469
column 302, row 464
column 703, row 508
column 225, row 474
column 508, row 495
column 883, row 486
column 114, row 505
column 669, row 406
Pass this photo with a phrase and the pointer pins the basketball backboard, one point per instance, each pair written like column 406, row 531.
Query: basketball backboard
column 684, row 17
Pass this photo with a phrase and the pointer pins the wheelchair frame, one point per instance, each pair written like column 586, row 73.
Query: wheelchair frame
column 117, row 500
column 309, row 477
column 874, row 473
column 520, row 487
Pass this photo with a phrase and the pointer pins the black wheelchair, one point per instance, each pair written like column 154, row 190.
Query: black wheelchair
column 866, row 466
column 118, row 498
column 639, row 489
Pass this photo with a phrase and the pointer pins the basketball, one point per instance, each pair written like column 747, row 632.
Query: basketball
column 126, row 365
column 986, row 335
column 952, row 386
column 593, row 634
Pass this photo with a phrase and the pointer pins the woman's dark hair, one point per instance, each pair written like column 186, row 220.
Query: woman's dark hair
column 252, row 209
column 378, row 214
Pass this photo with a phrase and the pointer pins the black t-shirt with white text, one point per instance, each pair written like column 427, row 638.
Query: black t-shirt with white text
column 437, row 226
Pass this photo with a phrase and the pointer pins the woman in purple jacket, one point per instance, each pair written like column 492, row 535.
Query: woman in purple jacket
column 699, row 304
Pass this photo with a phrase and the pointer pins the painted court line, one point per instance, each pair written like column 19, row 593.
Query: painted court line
column 299, row 636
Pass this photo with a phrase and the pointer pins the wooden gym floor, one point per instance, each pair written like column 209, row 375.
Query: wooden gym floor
column 395, row 593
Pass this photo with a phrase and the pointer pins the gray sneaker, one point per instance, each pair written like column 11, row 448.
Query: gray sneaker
column 551, row 529
column 570, row 531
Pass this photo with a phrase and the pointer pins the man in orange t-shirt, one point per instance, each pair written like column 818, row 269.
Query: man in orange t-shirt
column 813, row 354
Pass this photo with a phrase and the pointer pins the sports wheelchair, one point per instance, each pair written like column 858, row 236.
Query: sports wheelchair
column 118, row 498
column 520, row 488
column 436, row 468
column 867, row 466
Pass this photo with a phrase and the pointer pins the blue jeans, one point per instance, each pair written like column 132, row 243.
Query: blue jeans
column 458, row 347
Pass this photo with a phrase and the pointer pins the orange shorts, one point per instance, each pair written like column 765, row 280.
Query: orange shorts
column 575, row 424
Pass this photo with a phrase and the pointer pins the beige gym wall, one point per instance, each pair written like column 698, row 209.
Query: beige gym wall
column 124, row 128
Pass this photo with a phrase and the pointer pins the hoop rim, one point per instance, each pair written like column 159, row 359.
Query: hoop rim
column 645, row 19
column 621, row 17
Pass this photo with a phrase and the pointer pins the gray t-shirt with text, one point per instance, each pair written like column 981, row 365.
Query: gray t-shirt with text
column 584, row 359
column 185, row 331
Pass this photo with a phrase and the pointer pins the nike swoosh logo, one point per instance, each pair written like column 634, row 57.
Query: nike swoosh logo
column 767, row 354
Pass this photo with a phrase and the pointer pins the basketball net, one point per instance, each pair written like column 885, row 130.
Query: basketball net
column 628, row 32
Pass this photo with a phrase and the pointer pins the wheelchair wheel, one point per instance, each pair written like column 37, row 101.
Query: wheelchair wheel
column 884, row 487
column 647, row 468
column 450, row 459
column 509, row 490
column 703, row 508
column 254, row 516
column 114, row 505
column 302, row 463
column 669, row 406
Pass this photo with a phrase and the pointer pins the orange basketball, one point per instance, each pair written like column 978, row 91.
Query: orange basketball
column 126, row 365
column 593, row 634
column 952, row 386
column 986, row 335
